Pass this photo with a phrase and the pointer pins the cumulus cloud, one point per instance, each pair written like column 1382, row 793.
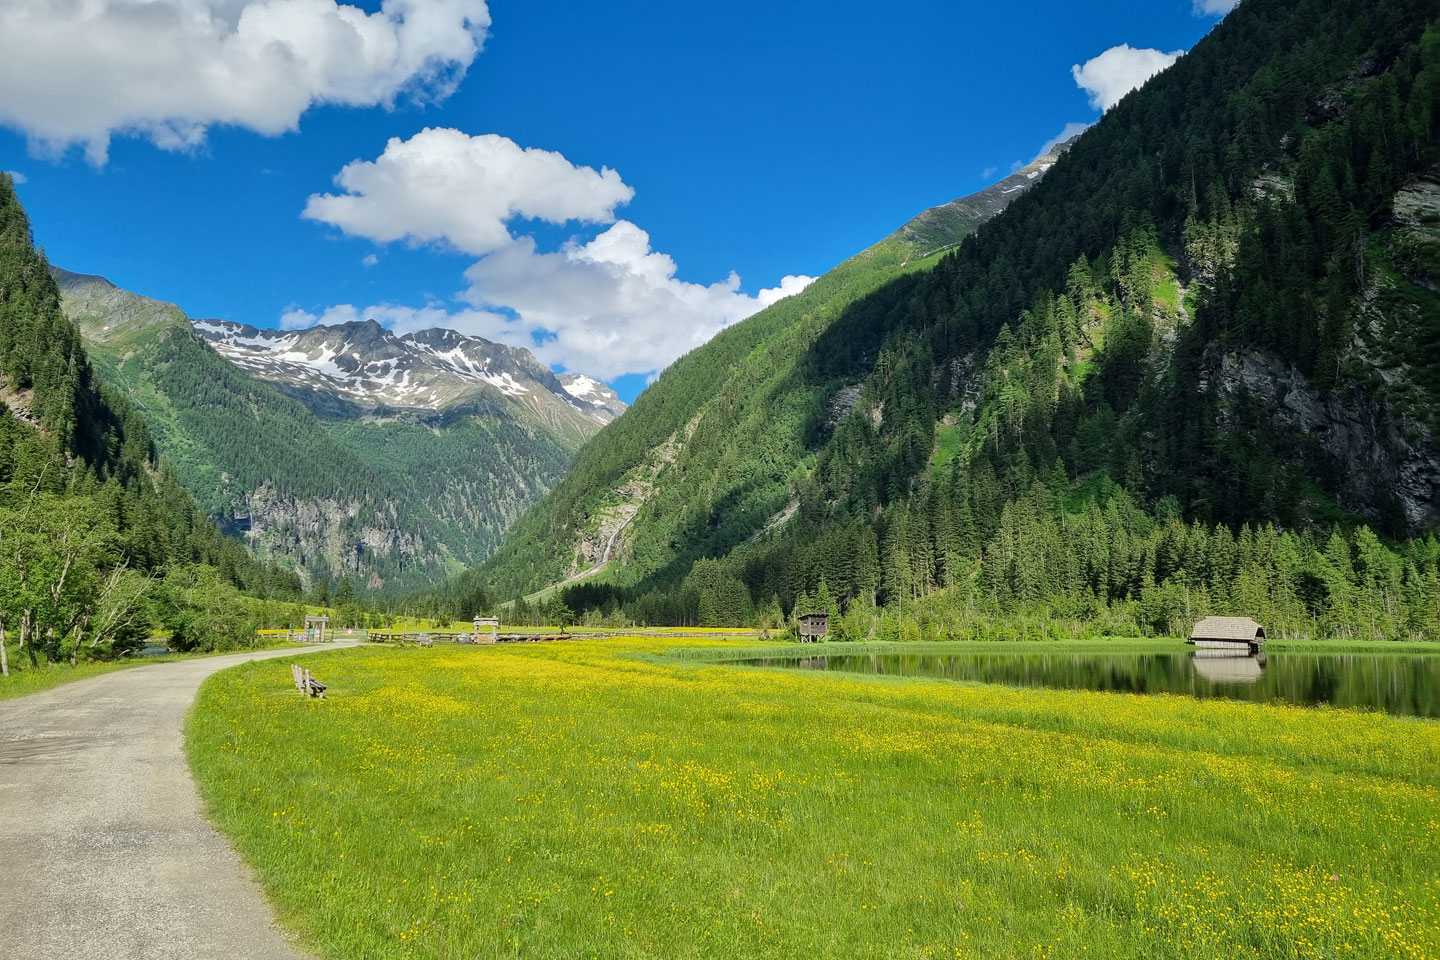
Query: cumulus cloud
column 608, row 306
column 1117, row 71
column 16, row 176
column 445, row 186
column 1214, row 8
column 398, row 317
column 80, row 71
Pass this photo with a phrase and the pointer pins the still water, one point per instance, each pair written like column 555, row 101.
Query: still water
column 1398, row 684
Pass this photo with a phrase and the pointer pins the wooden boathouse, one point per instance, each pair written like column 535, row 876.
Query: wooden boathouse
column 1240, row 634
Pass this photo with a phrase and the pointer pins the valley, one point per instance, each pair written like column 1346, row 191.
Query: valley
column 342, row 451
column 1058, row 576
column 1100, row 415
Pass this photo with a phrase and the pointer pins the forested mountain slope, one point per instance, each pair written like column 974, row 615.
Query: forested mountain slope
column 403, row 461
column 612, row 478
column 1196, row 367
column 97, row 538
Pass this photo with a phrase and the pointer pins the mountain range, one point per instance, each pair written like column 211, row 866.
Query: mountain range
column 342, row 450
column 1188, row 362
column 349, row 449
column 1194, row 365
column 940, row 228
column 576, row 532
column 360, row 369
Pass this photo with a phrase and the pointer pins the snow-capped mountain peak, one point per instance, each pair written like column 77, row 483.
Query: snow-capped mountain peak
column 589, row 390
column 361, row 365
column 581, row 386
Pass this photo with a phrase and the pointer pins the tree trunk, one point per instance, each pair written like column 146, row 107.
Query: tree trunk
column 4, row 655
column 27, row 643
column 79, row 635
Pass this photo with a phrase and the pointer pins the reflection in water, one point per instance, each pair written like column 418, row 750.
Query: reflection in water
column 1221, row 666
column 1399, row 684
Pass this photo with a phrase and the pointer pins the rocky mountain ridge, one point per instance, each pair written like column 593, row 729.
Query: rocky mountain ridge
column 943, row 226
column 361, row 368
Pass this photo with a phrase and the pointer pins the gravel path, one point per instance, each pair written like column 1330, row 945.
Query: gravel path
column 104, row 851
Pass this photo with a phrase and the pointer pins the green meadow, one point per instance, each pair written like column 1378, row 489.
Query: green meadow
column 605, row 799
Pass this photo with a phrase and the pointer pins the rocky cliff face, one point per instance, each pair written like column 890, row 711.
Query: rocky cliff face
column 1385, row 455
column 333, row 531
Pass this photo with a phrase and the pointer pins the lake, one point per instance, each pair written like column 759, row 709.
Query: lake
column 1405, row 685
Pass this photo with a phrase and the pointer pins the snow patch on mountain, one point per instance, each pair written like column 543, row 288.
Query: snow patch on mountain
column 365, row 365
column 506, row 384
column 591, row 391
column 583, row 387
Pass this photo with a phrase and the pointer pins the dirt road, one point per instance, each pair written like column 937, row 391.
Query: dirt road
column 104, row 852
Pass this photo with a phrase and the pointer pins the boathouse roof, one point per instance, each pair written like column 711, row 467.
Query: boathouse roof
column 1228, row 628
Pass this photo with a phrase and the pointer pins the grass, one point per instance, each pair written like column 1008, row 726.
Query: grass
column 608, row 799
column 25, row 679
column 947, row 447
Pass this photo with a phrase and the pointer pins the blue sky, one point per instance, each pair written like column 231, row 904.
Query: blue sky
column 768, row 139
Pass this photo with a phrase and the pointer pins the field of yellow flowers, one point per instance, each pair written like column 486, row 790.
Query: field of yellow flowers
column 600, row 799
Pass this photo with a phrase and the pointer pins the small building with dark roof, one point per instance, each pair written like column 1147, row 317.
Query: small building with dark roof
column 814, row 626
column 1228, row 633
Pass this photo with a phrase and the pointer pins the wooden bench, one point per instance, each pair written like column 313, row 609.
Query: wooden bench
column 307, row 684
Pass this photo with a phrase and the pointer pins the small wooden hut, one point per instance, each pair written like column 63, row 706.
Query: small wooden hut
column 814, row 626
column 1240, row 634
column 487, row 623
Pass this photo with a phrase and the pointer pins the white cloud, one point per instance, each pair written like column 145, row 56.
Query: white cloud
column 400, row 318
column 16, row 176
column 369, row 260
column 80, row 71
column 607, row 307
column 297, row 319
column 790, row 284
column 445, row 186
column 613, row 305
column 1117, row 71
column 1214, row 8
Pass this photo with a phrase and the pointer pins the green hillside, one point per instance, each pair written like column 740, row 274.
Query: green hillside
column 389, row 502
column 1193, row 369
column 98, row 541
